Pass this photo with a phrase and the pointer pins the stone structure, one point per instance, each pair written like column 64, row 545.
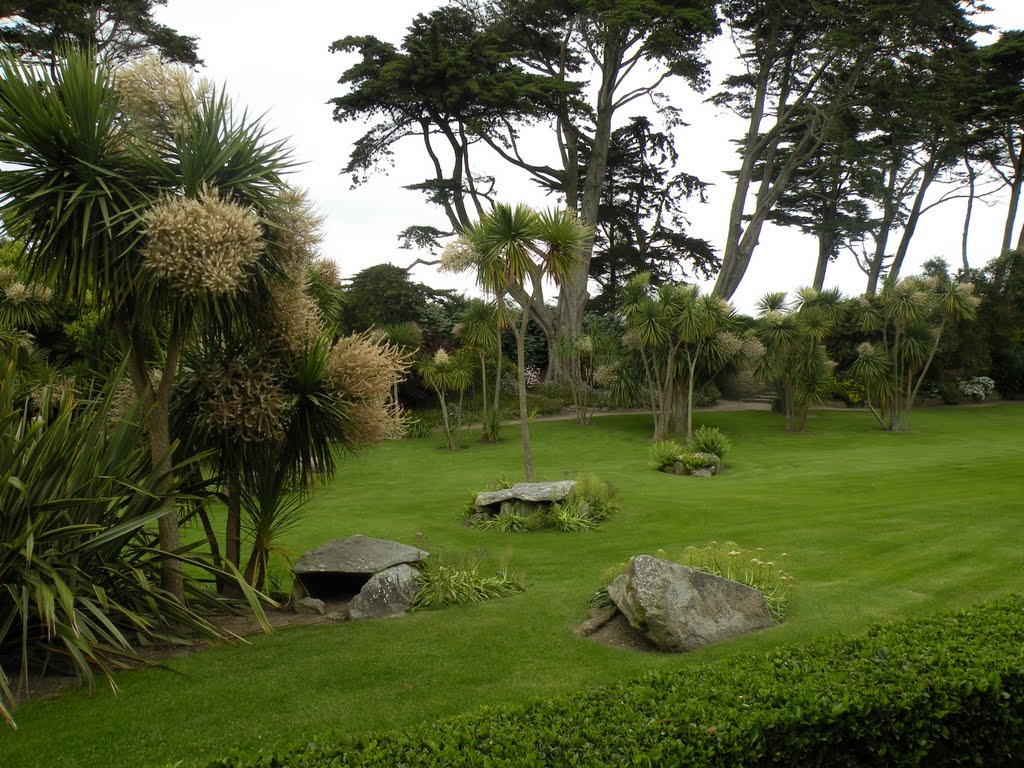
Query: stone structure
column 678, row 608
column 375, row 574
column 522, row 498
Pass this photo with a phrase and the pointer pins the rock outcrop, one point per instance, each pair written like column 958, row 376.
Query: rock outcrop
column 678, row 608
column 388, row 593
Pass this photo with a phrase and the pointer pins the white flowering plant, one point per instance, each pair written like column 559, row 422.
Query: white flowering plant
column 977, row 388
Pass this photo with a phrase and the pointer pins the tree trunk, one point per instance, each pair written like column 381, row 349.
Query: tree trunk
column 211, row 539
column 1011, row 212
column 930, row 173
column 825, row 249
column 156, row 400
column 444, row 421
column 889, row 210
column 689, row 397
column 233, row 531
column 158, row 422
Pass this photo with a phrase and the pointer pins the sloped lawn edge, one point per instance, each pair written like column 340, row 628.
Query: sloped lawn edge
column 941, row 690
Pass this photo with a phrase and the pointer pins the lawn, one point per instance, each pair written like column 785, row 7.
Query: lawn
column 874, row 525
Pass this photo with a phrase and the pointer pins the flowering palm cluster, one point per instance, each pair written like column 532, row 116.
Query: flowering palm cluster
column 201, row 245
column 246, row 402
column 156, row 96
column 361, row 371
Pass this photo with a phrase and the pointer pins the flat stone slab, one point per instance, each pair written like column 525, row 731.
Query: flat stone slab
column 357, row 554
column 491, row 501
column 555, row 491
column 487, row 498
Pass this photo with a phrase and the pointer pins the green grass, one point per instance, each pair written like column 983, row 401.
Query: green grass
column 875, row 525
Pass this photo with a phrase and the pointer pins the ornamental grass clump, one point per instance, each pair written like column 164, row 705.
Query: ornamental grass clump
column 664, row 454
column 703, row 452
column 454, row 579
column 710, row 440
column 747, row 566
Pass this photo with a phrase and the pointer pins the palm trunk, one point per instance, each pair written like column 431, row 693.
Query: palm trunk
column 444, row 421
column 233, row 531
column 524, row 424
column 689, row 397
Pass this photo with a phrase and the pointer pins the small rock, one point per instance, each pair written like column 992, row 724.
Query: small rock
column 596, row 619
column 311, row 605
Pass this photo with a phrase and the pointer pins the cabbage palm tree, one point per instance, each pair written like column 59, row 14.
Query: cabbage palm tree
column 446, row 372
column 908, row 318
column 518, row 247
column 479, row 329
column 82, row 178
column 795, row 357
column 676, row 328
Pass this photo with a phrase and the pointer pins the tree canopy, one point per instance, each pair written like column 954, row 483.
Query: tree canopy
column 116, row 30
column 475, row 75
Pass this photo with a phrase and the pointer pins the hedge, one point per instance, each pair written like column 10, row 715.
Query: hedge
column 941, row 690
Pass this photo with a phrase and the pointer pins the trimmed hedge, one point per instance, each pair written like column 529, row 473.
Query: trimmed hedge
column 941, row 690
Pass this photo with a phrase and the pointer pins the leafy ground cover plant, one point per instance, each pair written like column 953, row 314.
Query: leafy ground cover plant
column 448, row 578
column 704, row 451
column 710, row 440
column 664, row 454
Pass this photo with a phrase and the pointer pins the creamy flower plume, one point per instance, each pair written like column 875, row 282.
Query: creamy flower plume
column 157, row 95
column 458, row 256
column 201, row 245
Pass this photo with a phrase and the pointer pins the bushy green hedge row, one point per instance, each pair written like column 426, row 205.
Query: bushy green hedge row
column 938, row 691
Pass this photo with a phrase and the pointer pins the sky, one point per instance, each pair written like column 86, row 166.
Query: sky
column 279, row 65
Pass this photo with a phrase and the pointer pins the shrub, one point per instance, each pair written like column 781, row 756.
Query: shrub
column 420, row 425
column 707, row 395
column 490, row 424
column 977, row 388
column 664, row 454
column 710, row 440
column 942, row 691
column 950, row 394
column 694, row 461
column 472, row 577
column 747, row 566
column 79, row 565
column 850, row 391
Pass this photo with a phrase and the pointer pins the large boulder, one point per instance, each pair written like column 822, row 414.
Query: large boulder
column 387, row 593
column 679, row 608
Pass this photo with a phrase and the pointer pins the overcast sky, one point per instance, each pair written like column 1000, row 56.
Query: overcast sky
column 279, row 64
